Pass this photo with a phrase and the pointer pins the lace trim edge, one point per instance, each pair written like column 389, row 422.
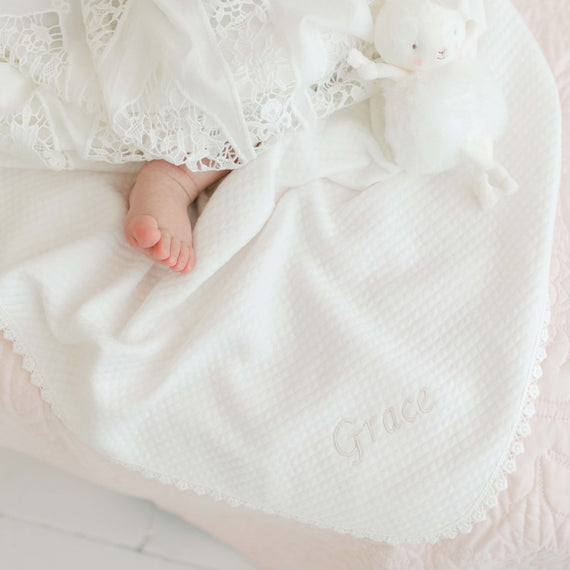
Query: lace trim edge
column 477, row 513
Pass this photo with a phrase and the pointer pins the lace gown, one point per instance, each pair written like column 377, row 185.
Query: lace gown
column 207, row 83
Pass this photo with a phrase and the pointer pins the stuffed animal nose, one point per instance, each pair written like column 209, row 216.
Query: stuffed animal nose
column 442, row 51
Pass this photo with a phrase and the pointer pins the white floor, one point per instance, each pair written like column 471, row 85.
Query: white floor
column 49, row 519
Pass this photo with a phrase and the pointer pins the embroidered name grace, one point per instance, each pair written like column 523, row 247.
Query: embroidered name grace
column 352, row 437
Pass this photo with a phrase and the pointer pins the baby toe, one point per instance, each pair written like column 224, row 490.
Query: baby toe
column 182, row 258
column 161, row 251
column 191, row 261
column 143, row 231
column 174, row 252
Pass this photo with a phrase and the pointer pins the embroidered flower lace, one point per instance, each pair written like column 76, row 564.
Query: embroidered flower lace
column 159, row 118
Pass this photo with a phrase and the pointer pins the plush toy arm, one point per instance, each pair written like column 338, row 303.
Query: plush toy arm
column 368, row 69
column 357, row 59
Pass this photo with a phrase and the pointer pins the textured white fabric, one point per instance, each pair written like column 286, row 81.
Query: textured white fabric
column 328, row 289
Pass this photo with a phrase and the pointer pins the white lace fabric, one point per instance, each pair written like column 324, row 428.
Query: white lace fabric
column 30, row 132
column 33, row 44
column 232, row 88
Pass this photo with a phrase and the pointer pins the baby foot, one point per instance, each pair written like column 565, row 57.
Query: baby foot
column 157, row 222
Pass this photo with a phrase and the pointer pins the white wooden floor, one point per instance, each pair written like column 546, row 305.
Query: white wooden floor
column 49, row 519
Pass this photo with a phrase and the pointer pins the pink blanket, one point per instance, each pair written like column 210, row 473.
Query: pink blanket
column 529, row 528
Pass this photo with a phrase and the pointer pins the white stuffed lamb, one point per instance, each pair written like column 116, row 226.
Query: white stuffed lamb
column 443, row 105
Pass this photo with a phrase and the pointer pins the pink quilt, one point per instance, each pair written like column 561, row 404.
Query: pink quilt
column 529, row 528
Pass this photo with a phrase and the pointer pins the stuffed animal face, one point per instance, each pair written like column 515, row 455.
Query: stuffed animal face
column 418, row 34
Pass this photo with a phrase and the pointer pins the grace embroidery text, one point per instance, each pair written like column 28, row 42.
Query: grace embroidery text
column 351, row 437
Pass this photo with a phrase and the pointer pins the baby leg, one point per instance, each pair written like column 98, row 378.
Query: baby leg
column 157, row 222
column 493, row 176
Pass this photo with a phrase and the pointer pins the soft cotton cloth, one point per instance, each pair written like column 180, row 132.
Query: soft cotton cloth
column 333, row 297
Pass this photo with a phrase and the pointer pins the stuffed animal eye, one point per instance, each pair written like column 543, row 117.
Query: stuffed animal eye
column 414, row 46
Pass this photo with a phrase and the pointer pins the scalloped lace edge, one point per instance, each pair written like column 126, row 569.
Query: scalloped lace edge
column 477, row 512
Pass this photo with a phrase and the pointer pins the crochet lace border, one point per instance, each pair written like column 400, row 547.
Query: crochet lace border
column 477, row 512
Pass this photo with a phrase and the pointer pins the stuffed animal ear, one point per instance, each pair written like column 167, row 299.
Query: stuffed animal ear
column 475, row 22
column 472, row 10
column 376, row 6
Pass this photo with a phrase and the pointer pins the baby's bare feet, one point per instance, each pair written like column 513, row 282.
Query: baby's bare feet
column 157, row 222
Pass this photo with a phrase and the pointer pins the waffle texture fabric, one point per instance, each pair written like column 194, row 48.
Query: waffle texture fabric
column 355, row 348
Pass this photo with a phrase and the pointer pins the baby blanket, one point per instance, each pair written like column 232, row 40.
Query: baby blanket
column 354, row 348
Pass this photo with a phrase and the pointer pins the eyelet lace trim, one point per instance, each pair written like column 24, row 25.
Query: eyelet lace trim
column 477, row 513
column 265, row 82
column 341, row 86
column 34, row 45
column 145, row 131
column 31, row 129
column 102, row 19
column 180, row 131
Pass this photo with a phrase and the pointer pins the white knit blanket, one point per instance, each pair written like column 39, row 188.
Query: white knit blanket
column 355, row 348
